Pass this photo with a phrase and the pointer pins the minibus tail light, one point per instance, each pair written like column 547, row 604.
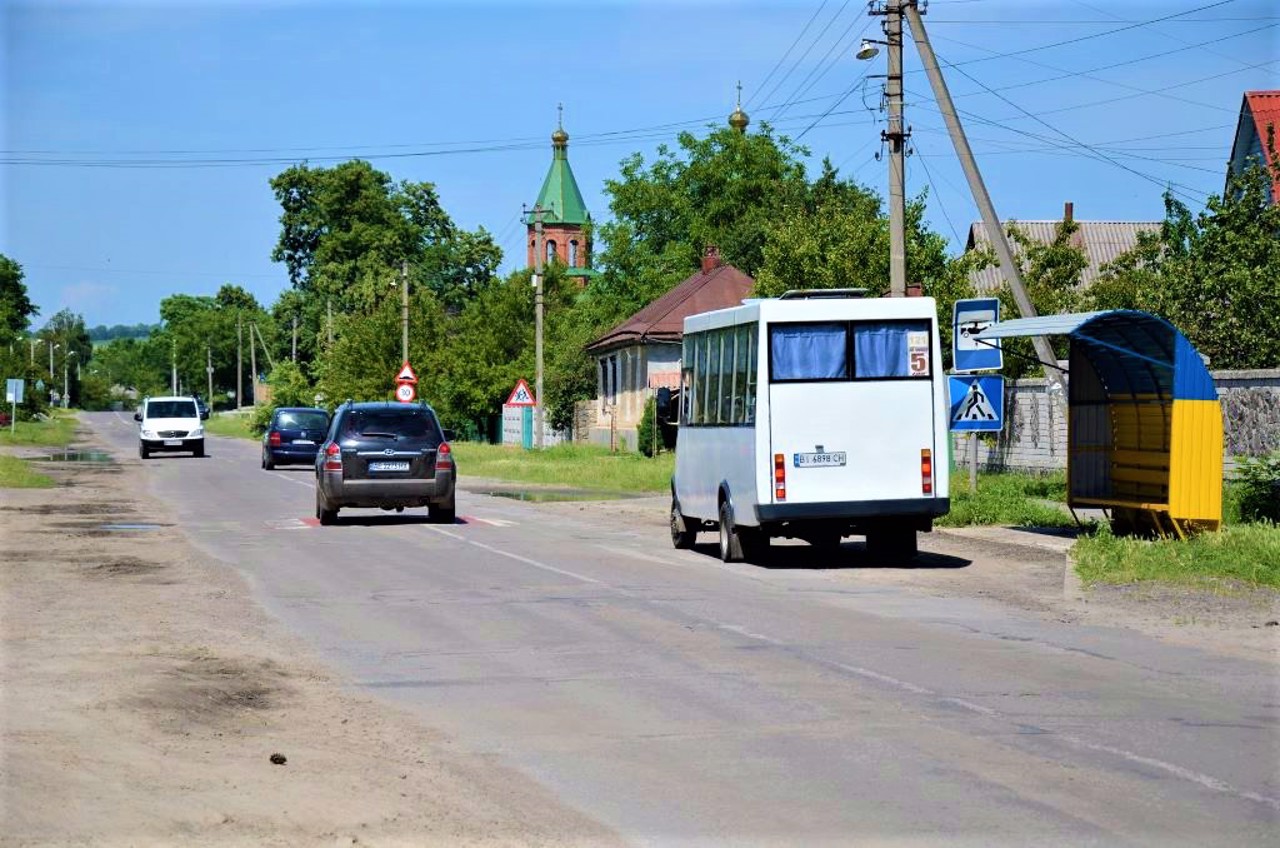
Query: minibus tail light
column 926, row 471
column 779, row 477
column 444, row 457
column 333, row 457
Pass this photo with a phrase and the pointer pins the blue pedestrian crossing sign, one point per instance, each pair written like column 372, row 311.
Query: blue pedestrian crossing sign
column 968, row 318
column 977, row 403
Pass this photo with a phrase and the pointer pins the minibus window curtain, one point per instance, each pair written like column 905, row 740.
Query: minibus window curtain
column 810, row 351
column 880, row 349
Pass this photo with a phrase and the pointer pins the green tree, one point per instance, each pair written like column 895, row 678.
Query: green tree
column 16, row 308
column 727, row 189
column 1213, row 274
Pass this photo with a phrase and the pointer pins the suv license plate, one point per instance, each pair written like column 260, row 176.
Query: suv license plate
column 173, row 443
column 819, row 460
column 389, row 466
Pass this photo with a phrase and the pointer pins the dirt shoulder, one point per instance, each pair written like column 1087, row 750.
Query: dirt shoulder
column 1023, row 569
column 144, row 693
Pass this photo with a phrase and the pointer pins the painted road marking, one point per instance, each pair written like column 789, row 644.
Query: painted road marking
column 290, row 523
column 517, row 557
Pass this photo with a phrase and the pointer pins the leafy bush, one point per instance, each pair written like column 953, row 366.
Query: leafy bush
column 1258, row 489
column 647, row 430
column 289, row 387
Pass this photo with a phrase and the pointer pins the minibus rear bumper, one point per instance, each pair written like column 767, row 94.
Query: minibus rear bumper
column 916, row 508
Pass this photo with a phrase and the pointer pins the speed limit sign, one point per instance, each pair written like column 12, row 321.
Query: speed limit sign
column 405, row 393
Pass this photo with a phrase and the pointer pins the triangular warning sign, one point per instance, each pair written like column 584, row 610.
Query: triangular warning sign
column 406, row 374
column 976, row 406
column 521, row 396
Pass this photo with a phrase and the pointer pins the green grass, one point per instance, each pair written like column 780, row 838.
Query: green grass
column 17, row 473
column 230, row 424
column 1244, row 553
column 1012, row 499
column 56, row 432
column 579, row 466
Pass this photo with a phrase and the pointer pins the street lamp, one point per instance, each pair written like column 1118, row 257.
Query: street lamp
column 868, row 50
column 52, row 348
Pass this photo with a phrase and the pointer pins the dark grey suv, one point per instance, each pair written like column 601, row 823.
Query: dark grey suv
column 387, row 456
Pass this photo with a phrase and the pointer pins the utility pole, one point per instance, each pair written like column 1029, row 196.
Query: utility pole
column 52, row 348
column 330, row 323
column 239, row 362
column 538, row 251
column 404, row 308
column 1008, row 264
column 253, row 366
column 295, row 338
column 208, row 370
column 896, row 138
column 173, row 365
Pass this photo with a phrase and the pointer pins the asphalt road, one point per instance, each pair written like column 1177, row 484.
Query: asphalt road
column 683, row 701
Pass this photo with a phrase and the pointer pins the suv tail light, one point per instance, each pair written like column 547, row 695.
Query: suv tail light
column 333, row 457
column 444, row 457
column 926, row 471
column 273, row 439
column 780, row 476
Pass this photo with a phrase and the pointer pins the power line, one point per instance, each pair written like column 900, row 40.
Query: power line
column 812, row 44
column 941, row 206
column 774, row 70
column 1168, row 184
column 826, row 63
column 1087, row 74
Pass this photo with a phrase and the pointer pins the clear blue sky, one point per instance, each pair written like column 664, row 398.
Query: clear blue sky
column 89, row 85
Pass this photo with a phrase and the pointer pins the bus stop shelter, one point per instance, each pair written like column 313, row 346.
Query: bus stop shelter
column 1144, row 432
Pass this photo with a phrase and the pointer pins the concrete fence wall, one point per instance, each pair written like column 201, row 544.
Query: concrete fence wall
column 1035, row 434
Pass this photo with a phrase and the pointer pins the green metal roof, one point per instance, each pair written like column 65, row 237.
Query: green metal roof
column 560, row 192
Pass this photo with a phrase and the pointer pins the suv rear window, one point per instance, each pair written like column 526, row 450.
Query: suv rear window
column 303, row 420
column 172, row 409
column 397, row 423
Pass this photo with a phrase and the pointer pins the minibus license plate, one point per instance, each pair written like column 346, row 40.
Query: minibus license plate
column 818, row 460
column 389, row 466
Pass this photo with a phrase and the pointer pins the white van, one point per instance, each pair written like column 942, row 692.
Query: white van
column 816, row 415
column 170, row 424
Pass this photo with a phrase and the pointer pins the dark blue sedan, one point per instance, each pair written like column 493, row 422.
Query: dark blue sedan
column 294, row 436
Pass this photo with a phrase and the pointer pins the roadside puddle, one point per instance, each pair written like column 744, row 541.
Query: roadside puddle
column 75, row 456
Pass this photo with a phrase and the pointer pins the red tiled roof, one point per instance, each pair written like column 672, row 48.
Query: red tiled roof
column 1258, row 126
column 1265, row 108
column 663, row 320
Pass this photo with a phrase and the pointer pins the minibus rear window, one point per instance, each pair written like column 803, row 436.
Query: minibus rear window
column 818, row 351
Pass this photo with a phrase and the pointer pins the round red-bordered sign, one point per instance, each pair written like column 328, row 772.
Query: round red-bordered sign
column 405, row 393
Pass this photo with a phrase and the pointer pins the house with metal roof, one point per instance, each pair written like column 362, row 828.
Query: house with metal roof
column 642, row 354
column 1101, row 241
column 566, row 223
column 1256, row 136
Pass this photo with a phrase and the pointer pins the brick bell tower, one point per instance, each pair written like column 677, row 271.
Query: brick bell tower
column 566, row 225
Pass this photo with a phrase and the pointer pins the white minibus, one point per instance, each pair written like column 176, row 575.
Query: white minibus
column 815, row 415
